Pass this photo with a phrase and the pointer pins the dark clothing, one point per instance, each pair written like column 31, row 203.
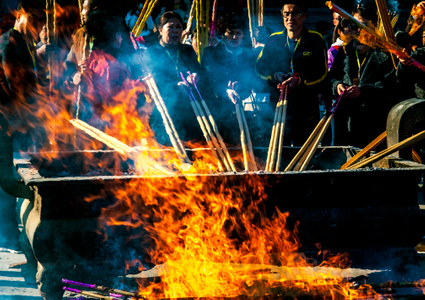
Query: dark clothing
column 165, row 63
column 18, row 79
column 18, row 68
column 223, row 66
column 411, row 79
column 359, row 121
column 310, row 62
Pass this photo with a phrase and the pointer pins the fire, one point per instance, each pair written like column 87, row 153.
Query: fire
column 211, row 232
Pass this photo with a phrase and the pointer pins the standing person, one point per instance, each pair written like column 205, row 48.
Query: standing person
column 230, row 72
column 295, row 57
column 18, row 89
column 165, row 61
column 367, row 78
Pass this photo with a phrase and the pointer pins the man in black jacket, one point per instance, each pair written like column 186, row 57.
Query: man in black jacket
column 295, row 57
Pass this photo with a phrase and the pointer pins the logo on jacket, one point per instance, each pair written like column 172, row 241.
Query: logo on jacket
column 309, row 53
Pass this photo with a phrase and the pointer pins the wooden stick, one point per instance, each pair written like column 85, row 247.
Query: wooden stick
column 250, row 150
column 117, row 145
column 272, row 137
column 243, row 137
column 276, row 138
column 366, row 150
column 206, row 135
column 217, row 133
column 213, row 137
column 281, row 134
column 316, row 143
column 168, row 123
column 401, row 145
column 306, row 144
column 249, row 142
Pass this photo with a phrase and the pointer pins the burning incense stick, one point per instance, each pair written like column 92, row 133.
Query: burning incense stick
column 103, row 137
column 248, row 136
column 166, row 119
column 90, row 294
column 399, row 146
column 387, row 45
column 206, row 129
column 116, row 292
column 118, row 146
column 366, row 150
column 306, row 152
column 215, row 128
column 278, row 131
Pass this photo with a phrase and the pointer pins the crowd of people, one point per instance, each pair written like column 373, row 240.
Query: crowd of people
column 97, row 57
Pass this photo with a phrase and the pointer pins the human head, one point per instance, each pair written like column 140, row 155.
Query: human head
column 170, row 28
column 30, row 18
column 335, row 18
column 260, row 36
column 358, row 45
column 231, row 27
column 294, row 14
column 345, row 30
column 88, row 6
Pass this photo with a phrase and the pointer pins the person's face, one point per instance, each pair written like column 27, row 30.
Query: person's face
column 336, row 18
column 171, row 32
column 43, row 34
column 293, row 18
column 359, row 46
column 31, row 23
column 347, row 33
column 233, row 38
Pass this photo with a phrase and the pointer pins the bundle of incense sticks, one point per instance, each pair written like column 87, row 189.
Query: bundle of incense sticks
column 166, row 119
column 209, row 129
column 306, row 152
column 399, row 146
column 119, row 146
column 278, row 130
column 113, row 294
column 247, row 150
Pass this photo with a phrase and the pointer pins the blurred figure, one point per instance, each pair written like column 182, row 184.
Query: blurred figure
column 367, row 78
column 330, row 37
column 260, row 36
column 296, row 58
column 344, row 33
column 166, row 61
column 18, row 80
column 230, row 70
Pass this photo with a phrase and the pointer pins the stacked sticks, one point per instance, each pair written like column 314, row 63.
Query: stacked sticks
column 143, row 17
column 397, row 147
column 209, row 129
column 306, row 152
column 166, row 119
column 278, row 131
column 247, row 150
column 120, row 147
column 365, row 151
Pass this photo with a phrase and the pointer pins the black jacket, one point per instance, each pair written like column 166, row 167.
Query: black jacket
column 309, row 61
column 379, row 92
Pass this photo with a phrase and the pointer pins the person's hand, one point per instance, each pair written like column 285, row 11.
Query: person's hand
column 83, row 65
column 193, row 78
column 76, row 78
column 46, row 49
column 341, row 88
column 353, row 91
column 291, row 82
column 280, row 76
column 233, row 96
